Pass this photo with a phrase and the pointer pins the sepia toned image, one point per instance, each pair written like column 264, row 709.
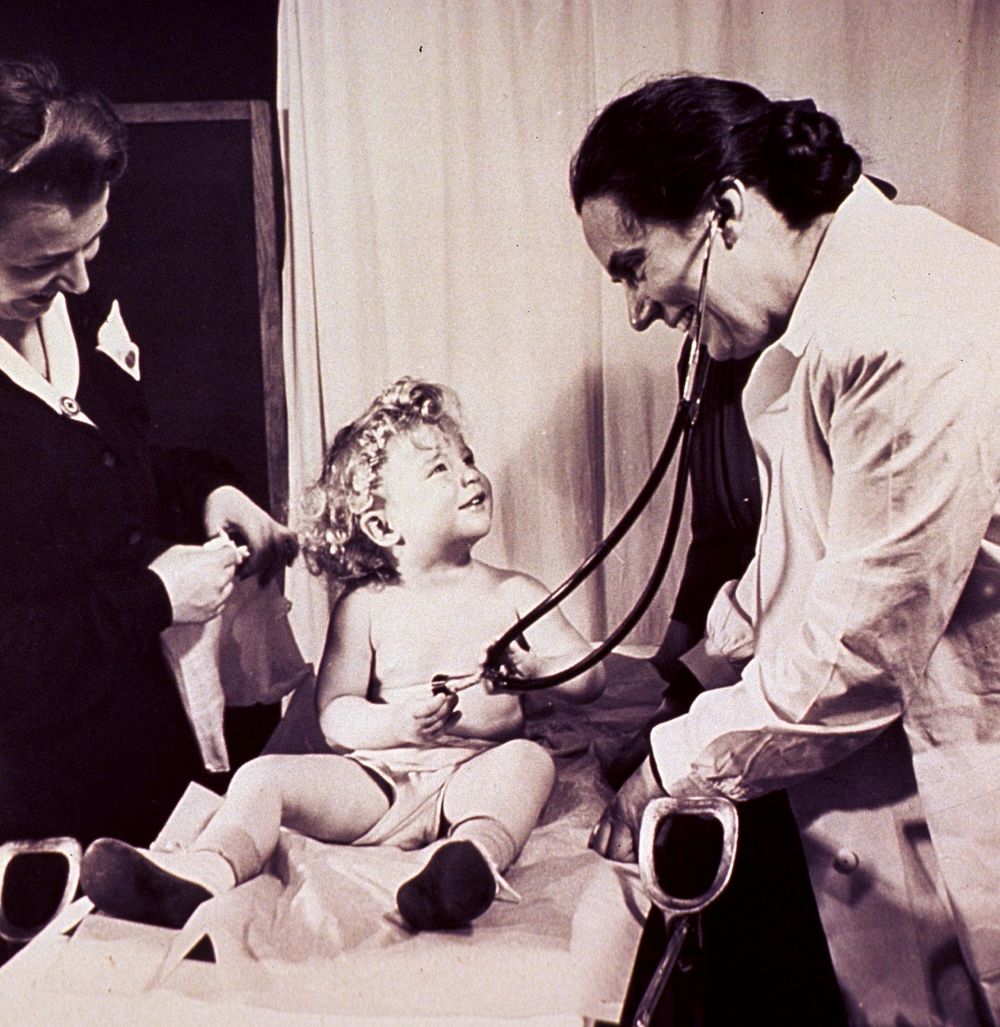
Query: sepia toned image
column 500, row 512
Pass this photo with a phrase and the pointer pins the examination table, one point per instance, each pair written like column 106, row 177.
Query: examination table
column 316, row 939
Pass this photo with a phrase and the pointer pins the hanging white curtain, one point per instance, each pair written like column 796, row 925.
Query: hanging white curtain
column 430, row 232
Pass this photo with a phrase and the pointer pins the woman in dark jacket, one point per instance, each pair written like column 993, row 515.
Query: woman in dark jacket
column 101, row 542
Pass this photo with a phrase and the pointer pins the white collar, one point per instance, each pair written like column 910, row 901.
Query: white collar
column 836, row 264
column 59, row 391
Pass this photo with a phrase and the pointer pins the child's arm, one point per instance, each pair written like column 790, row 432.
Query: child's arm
column 346, row 716
column 554, row 643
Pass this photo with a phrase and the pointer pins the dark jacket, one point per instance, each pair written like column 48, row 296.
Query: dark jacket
column 725, row 493
column 93, row 737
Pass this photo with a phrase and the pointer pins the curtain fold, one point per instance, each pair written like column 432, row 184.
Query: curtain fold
column 430, row 230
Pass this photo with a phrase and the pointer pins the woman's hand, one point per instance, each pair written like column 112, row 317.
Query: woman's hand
column 616, row 834
column 198, row 579
column 521, row 662
column 516, row 661
column 272, row 546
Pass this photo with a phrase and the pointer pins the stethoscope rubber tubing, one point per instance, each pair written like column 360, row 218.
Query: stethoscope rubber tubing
column 680, row 429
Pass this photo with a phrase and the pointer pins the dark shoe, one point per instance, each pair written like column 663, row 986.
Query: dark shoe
column 455, row 887
column 123, row 882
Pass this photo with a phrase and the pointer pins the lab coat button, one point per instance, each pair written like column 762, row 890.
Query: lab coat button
column 845, row 862
column 130, row 359
column 69, row 406
column 108, row 459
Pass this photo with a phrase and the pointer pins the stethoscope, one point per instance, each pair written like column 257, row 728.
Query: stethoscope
column 694, row 363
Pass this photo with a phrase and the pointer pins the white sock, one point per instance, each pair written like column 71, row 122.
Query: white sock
column 209, row 869
column 491, row 837
column 496, row 844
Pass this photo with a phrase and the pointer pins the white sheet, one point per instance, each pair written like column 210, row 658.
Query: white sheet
column 318, row 934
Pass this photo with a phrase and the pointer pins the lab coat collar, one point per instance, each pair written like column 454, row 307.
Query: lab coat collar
column 854, row 224
column 59, row 391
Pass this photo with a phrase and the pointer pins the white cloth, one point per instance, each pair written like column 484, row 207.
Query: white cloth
column 246, row 655
column 875, row 591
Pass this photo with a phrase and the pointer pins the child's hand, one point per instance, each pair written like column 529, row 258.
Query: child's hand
column 517, row 661
column 269, row 545
column 423, row 719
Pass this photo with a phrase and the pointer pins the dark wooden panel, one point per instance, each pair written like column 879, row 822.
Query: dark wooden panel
column 191, row 254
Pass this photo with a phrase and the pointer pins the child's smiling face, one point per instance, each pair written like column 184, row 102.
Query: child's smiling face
column 433, row 494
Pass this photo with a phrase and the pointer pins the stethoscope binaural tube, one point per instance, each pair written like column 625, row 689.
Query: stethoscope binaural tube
column 694, row 361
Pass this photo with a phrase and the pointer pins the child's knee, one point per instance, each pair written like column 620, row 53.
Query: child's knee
column 531, row 759
column 259, row 774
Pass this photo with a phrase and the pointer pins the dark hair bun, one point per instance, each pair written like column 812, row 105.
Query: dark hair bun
column 810, row 168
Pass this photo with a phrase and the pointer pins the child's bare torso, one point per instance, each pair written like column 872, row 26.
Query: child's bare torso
column 418, row 632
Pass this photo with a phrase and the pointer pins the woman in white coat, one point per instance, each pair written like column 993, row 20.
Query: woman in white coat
column 866, row 632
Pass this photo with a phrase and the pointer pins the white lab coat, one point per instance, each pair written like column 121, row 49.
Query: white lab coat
column 872, row 610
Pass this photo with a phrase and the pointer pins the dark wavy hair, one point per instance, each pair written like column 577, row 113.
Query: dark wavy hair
column 333, row 542
column 54, row 144
column 666, row 149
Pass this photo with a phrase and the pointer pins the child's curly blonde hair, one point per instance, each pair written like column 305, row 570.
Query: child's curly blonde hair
column 333, row 542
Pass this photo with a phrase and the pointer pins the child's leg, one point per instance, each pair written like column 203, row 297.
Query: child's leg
column 492, row 804
column 506, row 786
column 324, row 796
column 329, row 798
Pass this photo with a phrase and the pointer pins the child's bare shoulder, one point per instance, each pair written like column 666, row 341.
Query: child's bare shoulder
column 520, row 588
column 359, row 602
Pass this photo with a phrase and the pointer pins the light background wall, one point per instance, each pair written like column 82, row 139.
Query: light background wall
column 430, row 230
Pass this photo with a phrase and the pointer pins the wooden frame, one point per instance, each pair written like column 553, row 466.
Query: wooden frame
column 258, row 114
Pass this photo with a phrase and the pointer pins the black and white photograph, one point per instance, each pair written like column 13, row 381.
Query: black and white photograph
column 500, row 513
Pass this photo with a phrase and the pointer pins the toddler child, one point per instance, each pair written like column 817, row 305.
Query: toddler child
column 394, row 517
